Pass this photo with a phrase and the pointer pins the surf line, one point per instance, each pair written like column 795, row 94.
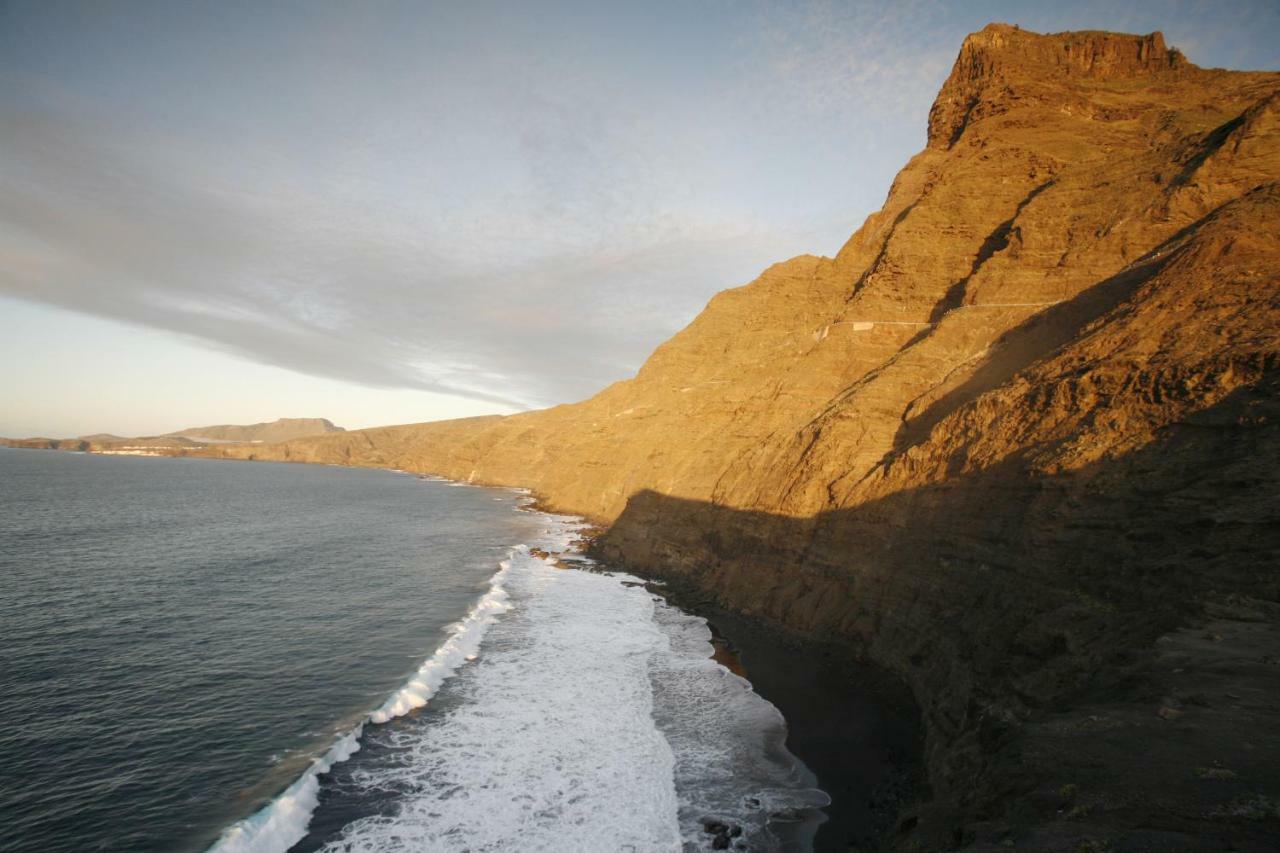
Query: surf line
column 283, row 822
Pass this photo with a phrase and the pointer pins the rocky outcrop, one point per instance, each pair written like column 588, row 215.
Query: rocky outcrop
column 1003, row 64
column 1016, row 441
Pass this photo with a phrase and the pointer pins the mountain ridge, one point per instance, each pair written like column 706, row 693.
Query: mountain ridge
column 281, row 429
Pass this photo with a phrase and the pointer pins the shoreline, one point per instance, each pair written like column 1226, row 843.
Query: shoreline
column 743, row 649
column 855, row 725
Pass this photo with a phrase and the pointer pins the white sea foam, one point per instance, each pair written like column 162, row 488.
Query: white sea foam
column 548, row 742
column 732, row 764
column 283, row 822
column 462, row 645
column 593, row 718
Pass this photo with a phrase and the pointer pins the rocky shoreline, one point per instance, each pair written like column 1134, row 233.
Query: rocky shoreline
column 853, row 724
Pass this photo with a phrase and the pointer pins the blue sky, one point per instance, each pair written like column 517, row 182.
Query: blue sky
column 398, row 212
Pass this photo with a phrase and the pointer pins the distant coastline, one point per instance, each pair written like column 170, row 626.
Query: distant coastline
column 191, row 438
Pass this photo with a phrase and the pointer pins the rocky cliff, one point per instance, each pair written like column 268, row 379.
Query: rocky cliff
column 1017, row 441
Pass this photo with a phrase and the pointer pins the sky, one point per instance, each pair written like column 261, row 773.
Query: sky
column 382, row 212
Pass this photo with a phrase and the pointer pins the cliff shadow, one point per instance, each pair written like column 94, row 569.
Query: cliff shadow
column 995, row 242
column 1028, row 342
column 1045, row 331
column 1005, row 599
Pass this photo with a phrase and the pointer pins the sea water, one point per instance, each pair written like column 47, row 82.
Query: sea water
column 268, row 657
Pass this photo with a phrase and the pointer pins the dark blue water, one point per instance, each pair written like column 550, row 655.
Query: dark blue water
column 179, row 638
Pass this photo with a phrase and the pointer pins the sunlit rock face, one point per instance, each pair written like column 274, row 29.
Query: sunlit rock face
column 1013, row 440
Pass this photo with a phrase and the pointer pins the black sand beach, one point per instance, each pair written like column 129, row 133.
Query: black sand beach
column 853, row 724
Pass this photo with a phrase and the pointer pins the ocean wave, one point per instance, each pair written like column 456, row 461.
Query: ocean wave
column 283, row 822
column 595, row 719
column 463, row 645
column 547, row 744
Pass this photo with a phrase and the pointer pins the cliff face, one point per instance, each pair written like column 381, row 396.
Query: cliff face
column 1013, row 440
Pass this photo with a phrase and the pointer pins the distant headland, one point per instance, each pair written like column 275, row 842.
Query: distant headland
column 192, row 438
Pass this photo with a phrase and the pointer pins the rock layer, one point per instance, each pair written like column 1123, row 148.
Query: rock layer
column 1016, row 441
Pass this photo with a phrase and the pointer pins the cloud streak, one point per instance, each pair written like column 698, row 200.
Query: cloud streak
column 92, row 228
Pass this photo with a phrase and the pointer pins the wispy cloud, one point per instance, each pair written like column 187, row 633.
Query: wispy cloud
column 872, row 59
column 291, row 282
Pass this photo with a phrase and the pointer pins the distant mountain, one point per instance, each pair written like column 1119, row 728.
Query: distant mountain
column 284, row 429
column 171, row 443
column 45, row 443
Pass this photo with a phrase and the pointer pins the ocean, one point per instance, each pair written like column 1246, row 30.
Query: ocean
column 198, row 654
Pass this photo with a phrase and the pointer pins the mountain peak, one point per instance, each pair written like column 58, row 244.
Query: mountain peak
column 996, row 59
column 1085, row 53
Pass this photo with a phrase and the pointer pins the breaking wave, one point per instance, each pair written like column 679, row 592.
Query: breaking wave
column 575, row 710
column 283, row 822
